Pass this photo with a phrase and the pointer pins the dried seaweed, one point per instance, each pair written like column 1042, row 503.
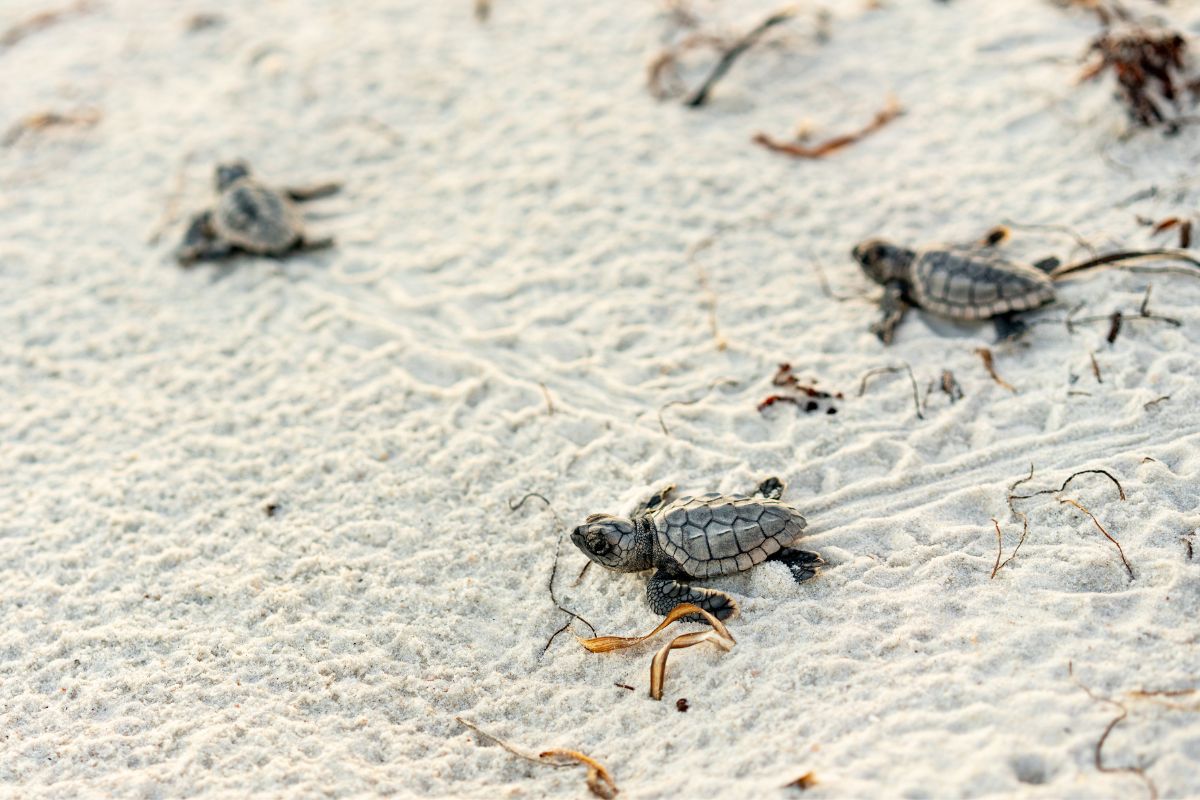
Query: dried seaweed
column 1107, row 535
column 718, row 382
column 1099, row 758
column 1117, row 318
column 599, row 781
column 905, row 367
column 1148, row 66
column 800, row 150
column 83, row 117
column 806, row 395
column 41, row 21
column 734, row 52
column 554, row 569
column 710, row 297
column 989, row 363
column 718, row 634
column 1155, row 402
column 1025, row 519
column 1182, row 224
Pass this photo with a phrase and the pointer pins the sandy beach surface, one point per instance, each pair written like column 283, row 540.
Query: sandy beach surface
column 255, row 525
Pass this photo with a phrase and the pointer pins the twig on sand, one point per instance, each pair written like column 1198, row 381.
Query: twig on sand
column 174, row 197
column 798, row 150
column 905, row 367
column 1099, row 758
column 84, row 117
column 710, row 297
column 739, row 47
column 1117, row 318
column 718, row 382
column 1025, row 519
column 549, row 402
column 554, row 569
column 989, row 363
column 1024, row 524
column 1155, row 402
column 599, row 781
column 41, row 21
column 1095, row 368
column 1107, row 535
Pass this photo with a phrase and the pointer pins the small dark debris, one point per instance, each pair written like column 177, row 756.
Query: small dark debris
column 623, row 686
column 271, row 508
column 1188, row 545
column 203, row 21
column 786, row 379
column 805, row 782
column 681, row 704
column 1148, row 66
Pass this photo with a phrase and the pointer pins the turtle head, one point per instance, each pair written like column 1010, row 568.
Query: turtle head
column 611, row 542
column 882, row 260
column 229, row 173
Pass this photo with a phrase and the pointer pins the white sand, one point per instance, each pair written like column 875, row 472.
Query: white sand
column 516, row 213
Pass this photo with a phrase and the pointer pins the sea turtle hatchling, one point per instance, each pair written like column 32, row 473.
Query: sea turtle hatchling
column 250, row 217
column 970, row 283
column 698, row 537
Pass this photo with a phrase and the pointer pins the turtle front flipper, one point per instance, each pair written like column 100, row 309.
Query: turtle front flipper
column 654, row 502
column 771, row 488
column 664, row 592
column 201, row 243
column 302, row 193
column 1008, row 327
column 892, row 305
column 804, row 564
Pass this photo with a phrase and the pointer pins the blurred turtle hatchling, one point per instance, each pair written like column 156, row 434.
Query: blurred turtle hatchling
column 251, row 217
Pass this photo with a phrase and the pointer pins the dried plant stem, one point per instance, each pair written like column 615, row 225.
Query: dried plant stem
column 862, row 388
column 989, row 363
column 1099, row 757
column 1107, row 535
column 733, row 53
column 797, row 150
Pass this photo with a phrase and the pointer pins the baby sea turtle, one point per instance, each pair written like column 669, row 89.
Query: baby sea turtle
column 698, row 537
column 970, row 283
column 250, row 217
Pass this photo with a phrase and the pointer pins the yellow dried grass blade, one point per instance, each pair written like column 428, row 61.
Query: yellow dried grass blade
column 605, row 644
column 658, row 667
column 599, row 781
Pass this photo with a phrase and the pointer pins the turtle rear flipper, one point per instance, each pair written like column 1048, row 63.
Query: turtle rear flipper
column 664, row 592
column 804, row 564
column 655, row 501
column 771, row 488
column 302, row 194
column 1008, row 327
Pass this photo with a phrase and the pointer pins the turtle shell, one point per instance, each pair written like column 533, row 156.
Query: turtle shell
column 718, row 534
column 970, row 285
column 257, row 218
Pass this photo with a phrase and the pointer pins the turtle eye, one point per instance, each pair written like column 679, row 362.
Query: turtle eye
column 600, row 546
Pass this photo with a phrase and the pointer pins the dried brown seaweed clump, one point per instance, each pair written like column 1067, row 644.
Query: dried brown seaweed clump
column 1149, row 66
